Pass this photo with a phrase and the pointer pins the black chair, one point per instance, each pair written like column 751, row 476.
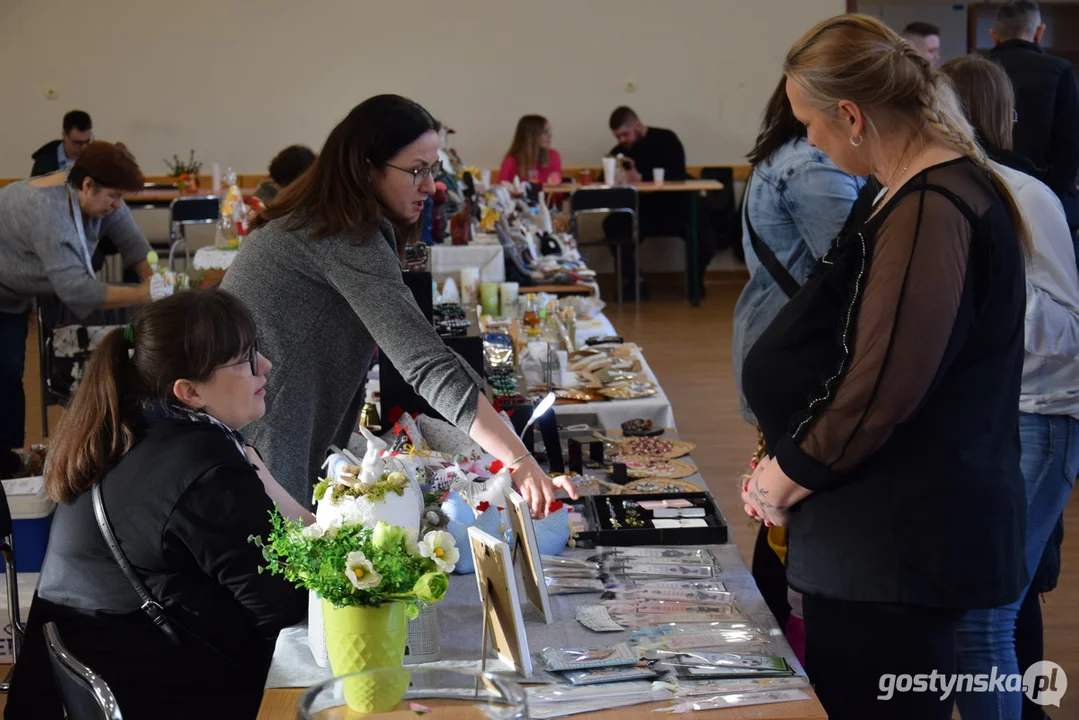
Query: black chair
column 84, row 694
column 722, row 209
column 606, row 200
column 7, row 549
column 184, row 211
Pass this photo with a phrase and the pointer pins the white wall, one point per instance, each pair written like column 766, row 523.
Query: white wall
column 237, row 79
column 950, row 18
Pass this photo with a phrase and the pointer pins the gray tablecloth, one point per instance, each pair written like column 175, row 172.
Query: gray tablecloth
column 460, row 622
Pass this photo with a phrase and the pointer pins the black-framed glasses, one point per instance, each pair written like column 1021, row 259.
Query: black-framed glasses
column 253, row 359
column 421, row 174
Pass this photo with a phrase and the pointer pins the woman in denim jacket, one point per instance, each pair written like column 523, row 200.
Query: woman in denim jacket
column 796, row 201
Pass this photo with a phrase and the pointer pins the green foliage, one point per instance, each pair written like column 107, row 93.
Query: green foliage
column 317, row 560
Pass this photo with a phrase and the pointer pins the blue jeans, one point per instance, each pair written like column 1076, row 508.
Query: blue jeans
column 12, row 363
column 986, row 638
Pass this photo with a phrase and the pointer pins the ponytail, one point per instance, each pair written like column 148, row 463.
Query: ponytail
column 97, row 428
column 944, row 112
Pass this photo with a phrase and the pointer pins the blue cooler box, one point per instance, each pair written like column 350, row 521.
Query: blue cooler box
column 31, row 514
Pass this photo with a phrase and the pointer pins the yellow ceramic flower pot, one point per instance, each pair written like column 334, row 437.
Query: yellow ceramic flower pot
column 368, row 638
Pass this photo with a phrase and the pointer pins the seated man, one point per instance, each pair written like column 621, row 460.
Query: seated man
column 78, row 132
column 645, row 149
column 286, row 166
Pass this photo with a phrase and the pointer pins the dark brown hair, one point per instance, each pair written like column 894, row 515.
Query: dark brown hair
column 778, row 127
column 76, row 120
column 920, row 29
column 185, row 336
column 988, row 96
column 337, row 196
column 525, row 148
column 622, row 116
column 110, row 165
column 290, row 164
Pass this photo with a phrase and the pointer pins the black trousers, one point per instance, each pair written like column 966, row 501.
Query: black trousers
column 856, row 651
column 662, row 216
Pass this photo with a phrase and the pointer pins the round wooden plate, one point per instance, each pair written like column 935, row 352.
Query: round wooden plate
column 639, row 466
column 661, row 485
column 679, row 448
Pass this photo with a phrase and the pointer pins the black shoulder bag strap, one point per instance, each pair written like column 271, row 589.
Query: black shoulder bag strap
column 149, row 606
column 779, row 273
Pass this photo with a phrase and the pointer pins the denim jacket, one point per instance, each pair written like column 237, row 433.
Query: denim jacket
column 797, row 201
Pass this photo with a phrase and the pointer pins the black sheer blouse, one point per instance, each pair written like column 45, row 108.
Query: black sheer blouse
column 889, row 386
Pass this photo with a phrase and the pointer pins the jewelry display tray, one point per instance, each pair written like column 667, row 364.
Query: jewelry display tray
column 600, row 531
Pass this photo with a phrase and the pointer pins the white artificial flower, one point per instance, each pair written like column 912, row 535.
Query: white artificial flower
column 313, row 532
column 332, row 528
column 439, row 545
column 360, row 572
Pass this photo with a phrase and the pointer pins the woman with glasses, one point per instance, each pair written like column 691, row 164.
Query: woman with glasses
column 50, row 227
column 153, row 429
column 322, row 274
column 531, row 157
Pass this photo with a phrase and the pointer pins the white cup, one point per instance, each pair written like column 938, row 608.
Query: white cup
column 657, row 175
column 608, row 170
column 485, row 177
column 508, row 293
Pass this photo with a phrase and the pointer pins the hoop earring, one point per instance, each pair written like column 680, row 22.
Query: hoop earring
column 855, row 144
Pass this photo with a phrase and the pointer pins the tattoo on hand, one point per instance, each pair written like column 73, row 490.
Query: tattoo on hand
column 759, row 494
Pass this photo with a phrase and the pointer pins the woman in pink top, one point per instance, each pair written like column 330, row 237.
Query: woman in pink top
column 530, row 156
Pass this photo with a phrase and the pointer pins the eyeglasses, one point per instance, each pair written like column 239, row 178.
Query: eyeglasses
column 253, row 359
column 421, row 174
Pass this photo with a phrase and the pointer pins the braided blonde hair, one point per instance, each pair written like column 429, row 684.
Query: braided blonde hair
column 860, row 59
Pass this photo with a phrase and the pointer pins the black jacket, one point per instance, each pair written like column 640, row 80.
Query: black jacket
column 888, row 386
column 182, row 503
column 1047, row 128
column 45, row 160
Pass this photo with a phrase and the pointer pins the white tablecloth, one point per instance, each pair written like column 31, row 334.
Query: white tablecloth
column 213, row 258
column 612, row 413
column 447, row 261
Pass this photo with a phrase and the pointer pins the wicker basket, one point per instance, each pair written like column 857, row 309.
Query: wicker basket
column 422, row 644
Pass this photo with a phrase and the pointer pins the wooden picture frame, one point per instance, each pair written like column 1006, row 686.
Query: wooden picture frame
column 503, row 624
column 526, row 554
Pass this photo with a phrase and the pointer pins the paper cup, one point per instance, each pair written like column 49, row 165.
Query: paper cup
column 657, row 175
column 509, row 291
column 489, row 298
column 608, row 170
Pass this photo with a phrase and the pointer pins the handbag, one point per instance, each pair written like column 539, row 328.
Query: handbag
column 779, row 273
column 150, row 606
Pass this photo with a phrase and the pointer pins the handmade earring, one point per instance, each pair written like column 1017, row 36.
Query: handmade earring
column 855, row 144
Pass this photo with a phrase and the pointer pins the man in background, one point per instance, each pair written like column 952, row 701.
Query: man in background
column 925, row 38
column 286, row 166
column 56, row 155
column 1046, row 129
column 667, row 213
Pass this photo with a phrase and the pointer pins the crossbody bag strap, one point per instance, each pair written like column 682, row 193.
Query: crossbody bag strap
column 768, row 259
column 149, row 606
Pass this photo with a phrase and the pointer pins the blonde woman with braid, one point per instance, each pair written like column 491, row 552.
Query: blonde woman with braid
column 886, row 388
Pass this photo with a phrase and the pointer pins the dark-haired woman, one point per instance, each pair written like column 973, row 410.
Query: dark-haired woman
column 322, row 274
column 155, row 424
column 49, row 228
column 796, row 203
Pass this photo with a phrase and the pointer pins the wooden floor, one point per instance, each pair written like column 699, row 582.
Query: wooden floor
column 689, row 350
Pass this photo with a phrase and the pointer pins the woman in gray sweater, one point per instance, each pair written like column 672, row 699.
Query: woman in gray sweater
column 49, row 228
column 322, row 274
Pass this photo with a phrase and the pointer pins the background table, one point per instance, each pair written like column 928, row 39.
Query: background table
column 693, row 241
column 448, row 260
column 460, row 621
